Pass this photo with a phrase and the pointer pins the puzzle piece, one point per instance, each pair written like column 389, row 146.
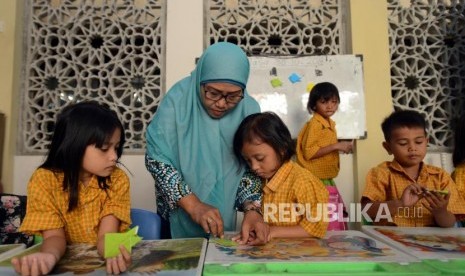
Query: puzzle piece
column 224, row 242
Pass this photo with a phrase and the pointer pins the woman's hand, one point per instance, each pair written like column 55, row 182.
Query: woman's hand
column 120, row 263
column 207, row 216
column 40, row 263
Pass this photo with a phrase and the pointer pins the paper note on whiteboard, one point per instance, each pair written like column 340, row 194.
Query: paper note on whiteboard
column 289, row 99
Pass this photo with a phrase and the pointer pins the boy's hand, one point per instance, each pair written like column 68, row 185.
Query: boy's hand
column 437, row 202
column 412, row 194
column 205, row 215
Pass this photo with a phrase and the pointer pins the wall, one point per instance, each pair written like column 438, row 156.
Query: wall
column 369, row 28
column 185, row 23
column 184, row 38
column 184, row 43
column 142, row 184
column 8, row 55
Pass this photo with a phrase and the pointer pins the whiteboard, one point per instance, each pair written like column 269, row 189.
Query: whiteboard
column 281, row 84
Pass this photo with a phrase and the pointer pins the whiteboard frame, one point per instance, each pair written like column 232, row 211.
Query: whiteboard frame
column 289, row 100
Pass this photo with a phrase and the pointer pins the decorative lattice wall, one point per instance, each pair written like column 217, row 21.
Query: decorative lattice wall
column 297, row 27
column 109, row 51
column 113, row 52
column 427, row 43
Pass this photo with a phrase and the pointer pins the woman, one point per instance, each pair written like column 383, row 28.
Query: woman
column 189, row 150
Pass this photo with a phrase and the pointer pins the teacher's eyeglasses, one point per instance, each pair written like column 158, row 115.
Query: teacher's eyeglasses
column 217, row 95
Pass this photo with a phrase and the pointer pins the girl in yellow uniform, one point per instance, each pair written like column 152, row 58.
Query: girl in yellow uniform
column 78, row 194
column 291, row 194
column 317, row 144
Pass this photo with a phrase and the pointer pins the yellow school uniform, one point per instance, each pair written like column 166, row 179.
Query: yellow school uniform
column 317, row 133
column 294, row 184
column 47, row 205
column 388, row 180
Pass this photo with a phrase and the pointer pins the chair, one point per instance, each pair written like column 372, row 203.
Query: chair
column 149, row 223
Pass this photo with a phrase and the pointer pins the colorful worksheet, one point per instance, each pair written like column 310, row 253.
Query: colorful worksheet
column 423, row 242
column 149, row 257
column 346, row 246
column 8, row 250
column 6, row 269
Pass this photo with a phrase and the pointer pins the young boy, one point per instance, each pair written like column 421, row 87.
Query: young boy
column 412, row 192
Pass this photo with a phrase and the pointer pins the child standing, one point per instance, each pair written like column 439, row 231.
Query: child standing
column 264, row 142
column 406, row 187
column 317, row 144
column 78, row 194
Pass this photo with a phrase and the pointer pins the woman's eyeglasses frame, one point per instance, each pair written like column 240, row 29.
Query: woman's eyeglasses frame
column 217, row 95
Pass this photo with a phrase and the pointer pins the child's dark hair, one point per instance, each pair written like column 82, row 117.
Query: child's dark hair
column 458, row 156
column 322, row 90
column 402, row 118
column 77, row 126
column 268, row 128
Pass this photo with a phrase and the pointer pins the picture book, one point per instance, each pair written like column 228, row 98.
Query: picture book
column 6, row 269
column 423, row 242
column 149, row 257
column 8, row 250
column 353, row 246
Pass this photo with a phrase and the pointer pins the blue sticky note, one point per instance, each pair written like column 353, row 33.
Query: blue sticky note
column 294, row 78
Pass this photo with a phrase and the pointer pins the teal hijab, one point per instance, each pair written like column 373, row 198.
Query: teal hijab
column 183, row 135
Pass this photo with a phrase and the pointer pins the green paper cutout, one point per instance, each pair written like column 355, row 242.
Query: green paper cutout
column 442, row 192
column 276, row 82
column 224, row 242
column 114, row 240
